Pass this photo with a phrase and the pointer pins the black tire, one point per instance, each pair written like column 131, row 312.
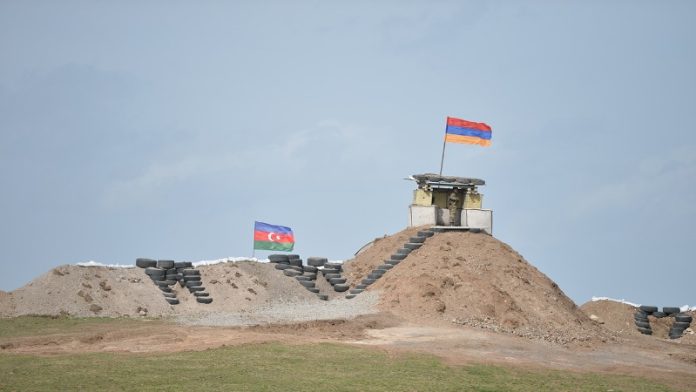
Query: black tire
column 169, row 282
column 425, row 233
column 398, row 257
column 437, row 229
column 669, row 310
column 165, row 289
column 278, row 258
column 642, row 319
column 181, row 264
column 313, row 290
column 169, row 295
column 385, row 267
column 306, row 283
column 201, row 294
column 152, row 271
column 145, row 263
column 378, row 272
column 675, row 336
column 311, row 276
column 281, row 267
column 331, row 276
column 296, row 262
column 367, row 281
column 403, row 251
column 316, row 261
column 166, row 264
column 196, row 288
column 336, row 281
column 412, row 246
column 361, row 286
column 350, row 296
column 645, row 331
column 648, row 309
column 204, row 300
column 659, row 314
column 340, row 287
column 416, row 240
column 681, row 324
column 374, row 276
column 291, row 272
column 172, row 301
column 683, row 317
column 302, row 278
column 392, row 262
column 189, row 278
column 310, row 268
column 642, row 324
column 190, row 272
column 296, row 268
column 356, row 291
column 193, row 283
column 295, row 257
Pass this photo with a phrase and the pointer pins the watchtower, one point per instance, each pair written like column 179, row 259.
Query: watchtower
column 452, row 202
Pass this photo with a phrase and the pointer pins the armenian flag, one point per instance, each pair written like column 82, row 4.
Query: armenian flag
column 467, row 132
column 273, row 237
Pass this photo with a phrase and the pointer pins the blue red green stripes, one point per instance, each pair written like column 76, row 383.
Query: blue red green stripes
column 468, row 132
column 273, row 237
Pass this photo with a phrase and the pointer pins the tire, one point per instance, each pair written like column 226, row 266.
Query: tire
column 378, row 272
column 350, row 296
column 180, row 264
column 398, row 257
column 331, row 276
column 675, row 336
column 316, row 261
column 340, row 287
column 313, row 290
column 437, row 230
column 204, row 300
column 669, row 310
column 201, row 294
column 302, row 278
column 648, row 309
column 642, row 324
column 190, row 272
column 412, row 246
column 166, row 264
column 374, row 276
column 295, row 257
column 309, row 268
column 193, row 283
column 196, row 288
column 145, row 263
column 168, row 282
column 172, row 301
column 296, row 268
column 642, row 319
column 190, row 278
column 169, row 295
column 311, row 276
column 336, row 281
column 385, row 267
column 425, row 234
column 683, row 317
column 645, row 331
column 367, row 281
column 403, row 251
column 659, row 314
column 392, row 262
column 361, row 286
column 323, row 297
column 152, row 271
column 306, row 283
column 165, row 289
column 282, row 266
column 291, row 272
column 416, row 240
column 681, row 324
column 278, row 258
column 296, row 262
column 356, row 291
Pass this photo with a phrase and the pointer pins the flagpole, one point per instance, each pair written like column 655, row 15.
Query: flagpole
column 253, row 247
column 444, row 143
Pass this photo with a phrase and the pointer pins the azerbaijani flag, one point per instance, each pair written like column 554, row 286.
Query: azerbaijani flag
column 272, row 237
column 467, row 132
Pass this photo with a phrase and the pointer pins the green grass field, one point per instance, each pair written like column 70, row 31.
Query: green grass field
column 273, row 367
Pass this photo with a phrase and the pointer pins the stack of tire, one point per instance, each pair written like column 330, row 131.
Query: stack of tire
column 291, row 265
column 681, row 322
column 396, row 258
column 641, row 319
column 163, row 275
column 332, row 274
column 192, row 281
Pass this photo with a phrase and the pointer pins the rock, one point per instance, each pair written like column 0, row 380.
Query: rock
column 689, row 331
column 596, row 319
column 95, row 308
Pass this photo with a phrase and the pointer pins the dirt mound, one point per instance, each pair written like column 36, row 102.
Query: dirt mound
column 618, row 318
column 474, row 279
column 113, row 292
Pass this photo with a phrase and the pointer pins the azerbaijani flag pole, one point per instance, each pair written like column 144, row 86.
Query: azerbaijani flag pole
column 465, row 132
column 273, row 237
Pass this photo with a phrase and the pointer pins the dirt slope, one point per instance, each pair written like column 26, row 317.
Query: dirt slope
column 474, row 279
column 113, row 292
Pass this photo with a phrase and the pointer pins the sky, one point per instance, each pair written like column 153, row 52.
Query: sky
column 164, row 129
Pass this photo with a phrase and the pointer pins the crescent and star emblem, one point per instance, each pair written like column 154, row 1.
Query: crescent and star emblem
column 273, row 237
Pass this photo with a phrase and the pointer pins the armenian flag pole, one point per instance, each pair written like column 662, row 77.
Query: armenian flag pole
column 465, row 132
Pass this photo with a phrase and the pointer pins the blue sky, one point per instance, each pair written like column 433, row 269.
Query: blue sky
column 164, row 129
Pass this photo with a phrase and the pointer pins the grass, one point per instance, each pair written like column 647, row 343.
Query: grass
column 278, row 367
column 47, row 325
